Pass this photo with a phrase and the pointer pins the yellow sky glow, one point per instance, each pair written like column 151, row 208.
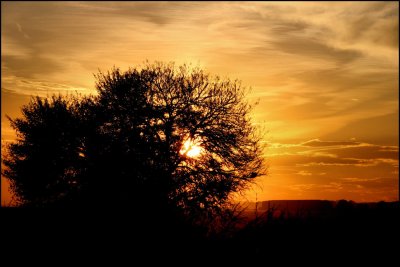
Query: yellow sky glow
column 325, row 74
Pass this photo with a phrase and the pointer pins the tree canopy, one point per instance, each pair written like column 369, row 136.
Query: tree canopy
column 157, row 136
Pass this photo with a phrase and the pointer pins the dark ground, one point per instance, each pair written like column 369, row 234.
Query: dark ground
column 350, row 235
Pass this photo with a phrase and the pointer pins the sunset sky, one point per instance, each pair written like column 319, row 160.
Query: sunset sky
column 325, row 74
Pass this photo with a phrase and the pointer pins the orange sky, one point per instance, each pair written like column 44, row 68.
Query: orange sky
column 326, row 75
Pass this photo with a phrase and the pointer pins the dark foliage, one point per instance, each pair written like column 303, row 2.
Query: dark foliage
column 123, row 147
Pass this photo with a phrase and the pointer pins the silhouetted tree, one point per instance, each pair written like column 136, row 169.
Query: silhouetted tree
column 126, row 145
column 45, row 164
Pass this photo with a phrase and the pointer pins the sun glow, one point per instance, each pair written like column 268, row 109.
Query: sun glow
column 191, row 148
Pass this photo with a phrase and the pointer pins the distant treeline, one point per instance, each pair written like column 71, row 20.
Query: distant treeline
column 314, row 208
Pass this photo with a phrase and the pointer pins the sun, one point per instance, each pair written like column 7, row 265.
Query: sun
column 191, row 148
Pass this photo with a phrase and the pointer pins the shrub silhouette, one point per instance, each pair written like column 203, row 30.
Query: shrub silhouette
column 44, row 165
column 123, row 146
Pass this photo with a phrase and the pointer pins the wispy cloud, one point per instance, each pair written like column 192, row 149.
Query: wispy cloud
column 26, row 36
column 33, row 87
column 315, row 166
column 319, row 143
